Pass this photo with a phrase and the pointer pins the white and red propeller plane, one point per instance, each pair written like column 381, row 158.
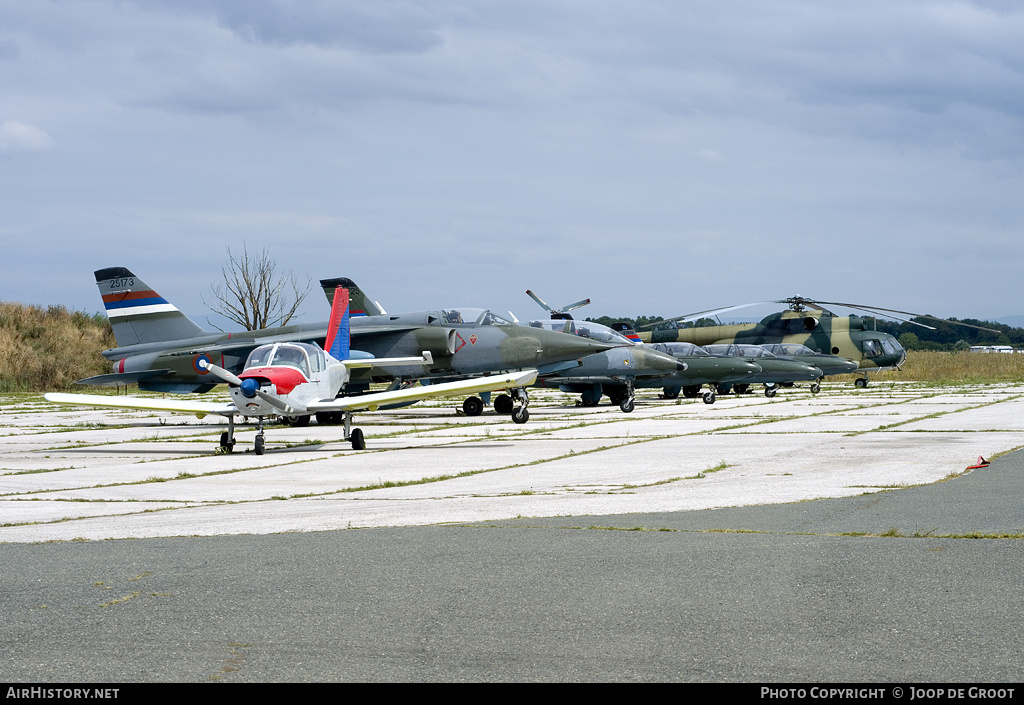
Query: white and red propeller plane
column 297, row 380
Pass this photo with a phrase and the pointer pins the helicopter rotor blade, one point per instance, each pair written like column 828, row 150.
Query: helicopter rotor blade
column 539, row 301
column 869, row 309
column 700, row 314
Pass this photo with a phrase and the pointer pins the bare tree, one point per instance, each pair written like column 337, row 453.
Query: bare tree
column 254, row 294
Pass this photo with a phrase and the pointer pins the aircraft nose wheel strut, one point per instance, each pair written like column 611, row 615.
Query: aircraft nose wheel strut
column 520, row 414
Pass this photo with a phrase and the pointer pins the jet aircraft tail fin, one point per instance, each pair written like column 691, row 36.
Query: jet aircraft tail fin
column 338, row 331
column 359, row 303
column 626, row 330
column 137, row 313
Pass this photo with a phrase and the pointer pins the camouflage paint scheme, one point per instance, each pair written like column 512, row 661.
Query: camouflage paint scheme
column 819, row 329
column 161, row 349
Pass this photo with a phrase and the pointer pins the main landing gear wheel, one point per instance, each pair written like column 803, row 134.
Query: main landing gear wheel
column 587, row 401
column 860, row 382
column 259, row 445
column 358, row 442
column 691, row 391
column 740, row 388
column 502, row 404
column 670, row 392
column 227, row 443
column 521, row 415
column 474, row 406
column 296, row 421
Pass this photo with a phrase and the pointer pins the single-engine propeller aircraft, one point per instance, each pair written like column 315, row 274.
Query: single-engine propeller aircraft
column 296, row 380
column 162, row 350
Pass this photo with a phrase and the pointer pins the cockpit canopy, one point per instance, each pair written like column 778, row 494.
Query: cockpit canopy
column 584, row 329
column 475, row 316
column 308, row 359
column 749, row 351
column 681, row 349
column 788, row 349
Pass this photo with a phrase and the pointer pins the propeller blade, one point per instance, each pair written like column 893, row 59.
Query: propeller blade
column 221, row 373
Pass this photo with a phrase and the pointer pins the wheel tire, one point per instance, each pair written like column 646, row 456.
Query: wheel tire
column 723, row 388
column 860, row 382
column 297, row 421
column 587, row 401
column 815, row 387
column 323, row 418
column 473, row 406
column 358, row 442
column 740, row 388
column 670, row 392
column 260, row 449
column 627, row 405
column 770, row 392
column 692, row 391
column 503, row 404
column 521, row 415
column 226, row 445
column 709, row 397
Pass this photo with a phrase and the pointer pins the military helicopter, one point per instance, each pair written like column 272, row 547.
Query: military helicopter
column 807, row 322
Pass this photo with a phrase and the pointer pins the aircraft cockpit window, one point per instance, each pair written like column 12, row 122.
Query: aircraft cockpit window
column 451, row 316
column 871, row 348
column 681, row 349
column 260, row 357
column 291, row 356
column 890, row 346
column 489, row 319
column 752, row 351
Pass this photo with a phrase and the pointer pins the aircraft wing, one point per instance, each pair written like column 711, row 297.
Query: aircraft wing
column 469, row 386
column 187, row 406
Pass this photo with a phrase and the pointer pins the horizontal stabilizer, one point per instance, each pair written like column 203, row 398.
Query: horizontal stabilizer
column 117, row 379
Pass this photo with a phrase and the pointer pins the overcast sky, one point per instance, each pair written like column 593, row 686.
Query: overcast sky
column 658, row 157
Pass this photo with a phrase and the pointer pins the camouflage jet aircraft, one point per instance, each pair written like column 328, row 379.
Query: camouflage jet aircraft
column 161, row 349
column 616, row 373
column 301, row 379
